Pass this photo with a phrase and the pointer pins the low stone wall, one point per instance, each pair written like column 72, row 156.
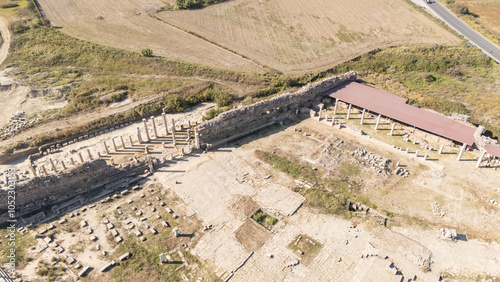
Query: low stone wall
column 40, row 192
column 243, row 119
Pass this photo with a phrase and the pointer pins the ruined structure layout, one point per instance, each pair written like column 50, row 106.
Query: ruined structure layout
column 299, row 187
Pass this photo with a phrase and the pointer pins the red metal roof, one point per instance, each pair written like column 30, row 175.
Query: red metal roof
column 395, row 107
column 493, row 150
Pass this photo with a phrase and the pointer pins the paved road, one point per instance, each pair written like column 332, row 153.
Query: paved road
column 491, row 49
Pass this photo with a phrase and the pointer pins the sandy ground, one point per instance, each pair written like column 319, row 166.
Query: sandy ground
column 247, row 35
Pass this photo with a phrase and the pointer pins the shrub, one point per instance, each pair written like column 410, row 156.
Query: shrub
column 147, row 52
column 427, row 77
column 10, row 5
column 461, row 9
column 454, row 71
column 210, row 114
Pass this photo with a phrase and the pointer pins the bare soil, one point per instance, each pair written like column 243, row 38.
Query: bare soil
column 288, row 36
column 128, row 25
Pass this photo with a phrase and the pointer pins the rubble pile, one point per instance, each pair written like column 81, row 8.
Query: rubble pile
column 377, row 163
column 401, row 171
column 448, row 234
column 436, row 209
column 16, row 122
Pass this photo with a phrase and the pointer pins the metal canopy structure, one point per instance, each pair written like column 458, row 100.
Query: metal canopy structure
column 493, row 150
column 396, row 108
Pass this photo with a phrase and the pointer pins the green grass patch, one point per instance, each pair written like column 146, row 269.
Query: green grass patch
column 264, row 219
column 23, row 242
column 330, row 195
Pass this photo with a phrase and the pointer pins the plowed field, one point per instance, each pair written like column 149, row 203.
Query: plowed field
column 288, row 35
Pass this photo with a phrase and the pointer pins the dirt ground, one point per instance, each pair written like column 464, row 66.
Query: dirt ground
column 247, row 35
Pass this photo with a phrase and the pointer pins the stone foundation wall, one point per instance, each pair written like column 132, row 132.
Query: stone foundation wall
column 246, row 118
column 39, row 192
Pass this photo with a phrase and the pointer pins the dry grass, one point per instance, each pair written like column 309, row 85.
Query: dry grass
column 484, row 16
column 300, row 36
column 248, row 35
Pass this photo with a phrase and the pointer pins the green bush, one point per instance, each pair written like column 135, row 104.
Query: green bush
column 147, row 52
column 210, row 114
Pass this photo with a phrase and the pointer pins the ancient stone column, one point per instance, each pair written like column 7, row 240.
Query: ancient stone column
column 130, row 140
column 416, row 153
column 105, row 147
column 320, row 111
column 326, row 118
column 392, row 129
column 480, row 159
column 173, row 135
column 407, row 150
column 441, row 149
column 189, row 134
column 425, row 156
column 33, row 171
column 72, row 161
column 182, row 151
column 139, row 135
column 196, row 139
column 90, row 155
column 52, row 164
column 165, row 122
column 336, row 105
column 349, row 111
column 363, row 116
column 150, row 164
column 171, row 156
column 378, row 121
column 189, row 124
column 81, row 158
column 114, row 144
column 123, row 142
column 63, row 165
column 44, row 170
column 146, row 128
column 461, row 151
column 333, row 120
column 154, row 126
column 98, row 154
column 173, row 125
column 146, row 149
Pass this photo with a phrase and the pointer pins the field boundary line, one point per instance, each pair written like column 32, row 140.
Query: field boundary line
column 38, row 8
column 211, row 42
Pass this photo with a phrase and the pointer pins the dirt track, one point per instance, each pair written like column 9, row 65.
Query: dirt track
column 6, row 36
column 288, row 36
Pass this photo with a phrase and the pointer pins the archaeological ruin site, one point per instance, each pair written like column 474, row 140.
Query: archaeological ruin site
column 336, row 181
